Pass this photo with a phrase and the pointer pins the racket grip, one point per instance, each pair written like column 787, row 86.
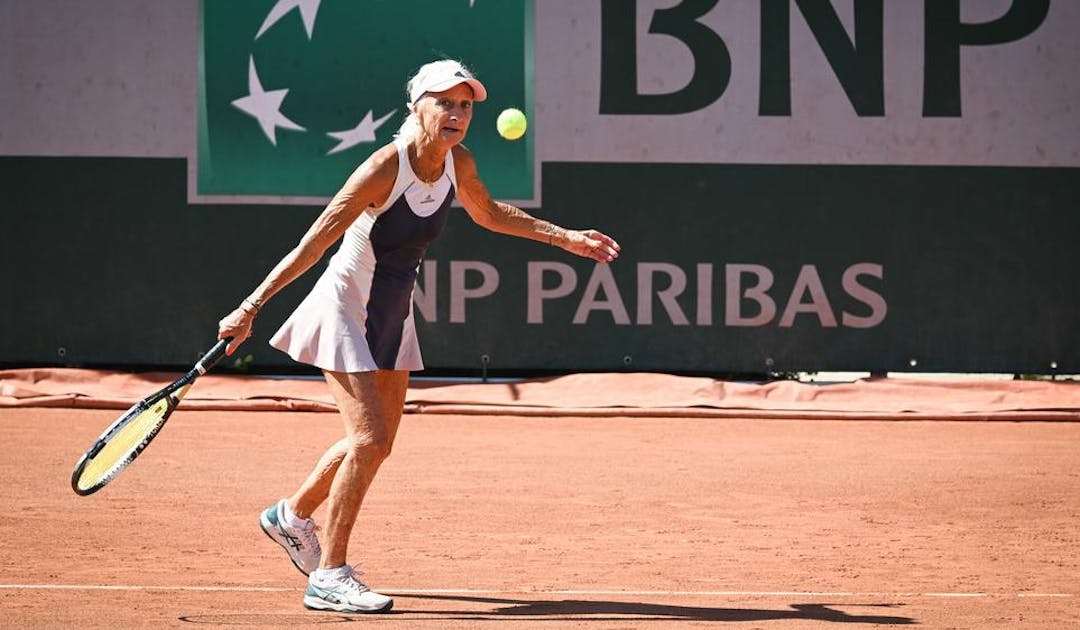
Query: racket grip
column 211, row 358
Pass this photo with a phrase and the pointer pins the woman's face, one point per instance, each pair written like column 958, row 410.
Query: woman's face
column 445, row 116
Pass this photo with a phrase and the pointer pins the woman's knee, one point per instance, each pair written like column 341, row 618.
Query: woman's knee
column 371, row 446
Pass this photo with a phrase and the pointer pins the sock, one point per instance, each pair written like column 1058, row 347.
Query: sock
column 326, row 574
column 292, row 520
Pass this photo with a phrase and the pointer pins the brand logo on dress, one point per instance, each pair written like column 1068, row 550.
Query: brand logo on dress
column 428, row 199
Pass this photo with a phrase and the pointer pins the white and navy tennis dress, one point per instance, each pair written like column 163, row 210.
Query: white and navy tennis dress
column 359, row 315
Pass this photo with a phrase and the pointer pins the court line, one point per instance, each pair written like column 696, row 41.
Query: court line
column 539, row 592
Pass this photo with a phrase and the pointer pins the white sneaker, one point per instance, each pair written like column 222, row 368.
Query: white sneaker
column 342, row 592
column 301, row 542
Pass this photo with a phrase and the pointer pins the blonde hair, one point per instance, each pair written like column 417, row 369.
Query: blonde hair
column 408, row 127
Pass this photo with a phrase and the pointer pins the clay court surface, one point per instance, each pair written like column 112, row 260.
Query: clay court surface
column 500, row 522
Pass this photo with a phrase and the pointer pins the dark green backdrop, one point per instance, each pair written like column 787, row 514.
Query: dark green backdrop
column 105, row 259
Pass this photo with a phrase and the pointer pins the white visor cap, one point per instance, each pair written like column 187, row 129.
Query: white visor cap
column 439, row 76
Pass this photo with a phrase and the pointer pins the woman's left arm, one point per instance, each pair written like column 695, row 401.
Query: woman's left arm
column 507, row 219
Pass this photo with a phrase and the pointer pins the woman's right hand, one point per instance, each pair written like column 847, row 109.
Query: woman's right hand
column 238, row 325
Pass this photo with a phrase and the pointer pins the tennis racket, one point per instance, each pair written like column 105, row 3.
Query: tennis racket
column 122, row 442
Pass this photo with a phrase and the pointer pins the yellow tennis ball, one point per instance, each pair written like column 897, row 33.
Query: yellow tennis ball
column 511, row 124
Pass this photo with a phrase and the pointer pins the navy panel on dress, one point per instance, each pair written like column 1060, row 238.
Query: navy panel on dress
column 399, row 239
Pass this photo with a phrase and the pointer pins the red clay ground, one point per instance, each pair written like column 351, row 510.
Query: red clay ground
column 601, row 523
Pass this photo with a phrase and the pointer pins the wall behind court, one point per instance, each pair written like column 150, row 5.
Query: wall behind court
column 888, row 191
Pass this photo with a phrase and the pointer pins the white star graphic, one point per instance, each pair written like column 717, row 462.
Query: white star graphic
column 264, row 106
column 364, row 132
column 308, row 9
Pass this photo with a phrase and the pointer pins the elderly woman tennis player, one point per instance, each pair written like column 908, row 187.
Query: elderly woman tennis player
column 357, row 322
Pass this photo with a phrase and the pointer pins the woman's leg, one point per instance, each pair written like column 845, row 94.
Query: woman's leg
column 370, row 404
column 316, row 487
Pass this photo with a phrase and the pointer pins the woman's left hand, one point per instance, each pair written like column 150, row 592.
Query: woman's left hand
column 590, row 244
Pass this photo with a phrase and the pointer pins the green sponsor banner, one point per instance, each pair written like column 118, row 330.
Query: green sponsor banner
column 294, row 94
column 772, row 268
column 725, row 268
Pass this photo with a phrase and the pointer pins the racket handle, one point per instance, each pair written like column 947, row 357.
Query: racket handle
column 211, row 358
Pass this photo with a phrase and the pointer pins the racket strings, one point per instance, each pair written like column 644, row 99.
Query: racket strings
column 122, row 445
column 128, row 436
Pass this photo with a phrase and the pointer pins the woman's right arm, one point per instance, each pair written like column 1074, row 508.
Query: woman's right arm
column 368, row 187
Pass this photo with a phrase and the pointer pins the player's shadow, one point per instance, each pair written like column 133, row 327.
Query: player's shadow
column 583, row 610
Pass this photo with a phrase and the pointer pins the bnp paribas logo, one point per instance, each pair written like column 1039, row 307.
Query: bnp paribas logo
column 294, row 94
